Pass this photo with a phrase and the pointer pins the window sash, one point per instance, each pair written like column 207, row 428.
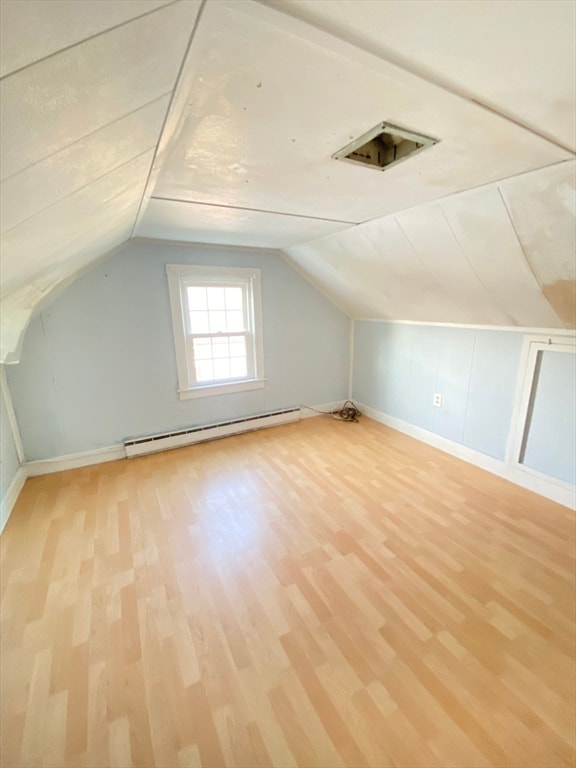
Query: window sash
column 180, row 278
column 243, row 285
column 191, row 357
column 247, row 333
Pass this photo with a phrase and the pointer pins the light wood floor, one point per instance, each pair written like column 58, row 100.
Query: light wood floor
column 319, row 594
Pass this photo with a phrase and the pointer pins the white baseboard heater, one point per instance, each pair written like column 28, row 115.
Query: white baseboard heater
column 167, row 440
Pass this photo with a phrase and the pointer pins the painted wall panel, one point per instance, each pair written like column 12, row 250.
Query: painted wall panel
column 98, row 364
column 423, row 374
column 8, row 456
column 453, row 374
column 551, row 441
column 491, row 391
column 44, row 428
column 399, row 367
column 382, row 358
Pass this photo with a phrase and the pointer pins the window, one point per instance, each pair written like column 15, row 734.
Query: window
column 216, row 317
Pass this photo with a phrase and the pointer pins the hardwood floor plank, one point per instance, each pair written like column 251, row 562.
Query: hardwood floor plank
column 314, row 595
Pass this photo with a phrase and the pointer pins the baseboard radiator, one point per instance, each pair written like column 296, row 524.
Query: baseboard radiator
column 167, row 440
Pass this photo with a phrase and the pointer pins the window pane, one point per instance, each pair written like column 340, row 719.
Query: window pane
column 238, row 367
column 237, row 346
column 235, row 321
column 217, row 322
column 222, row 369
column 204, row 370
column 216, row 298
column 197, row 298
column 220, row 348
column 234, row 299
column 202, row 349
column 199, row 322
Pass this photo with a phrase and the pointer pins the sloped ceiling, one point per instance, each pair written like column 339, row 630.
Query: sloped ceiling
column 502, row 254
column 84, row 93
column 216, row 121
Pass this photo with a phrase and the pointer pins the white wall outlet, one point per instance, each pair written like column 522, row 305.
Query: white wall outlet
column 438, row 400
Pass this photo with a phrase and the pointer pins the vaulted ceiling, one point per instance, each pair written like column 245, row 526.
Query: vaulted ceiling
column 215, row 121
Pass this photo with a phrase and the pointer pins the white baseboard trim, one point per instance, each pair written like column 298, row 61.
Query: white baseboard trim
column 114, row 452
column 11, row 496
column 556, row 490
column 74, row 460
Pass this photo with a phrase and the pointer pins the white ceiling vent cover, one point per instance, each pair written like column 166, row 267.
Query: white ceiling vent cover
column 384, row 146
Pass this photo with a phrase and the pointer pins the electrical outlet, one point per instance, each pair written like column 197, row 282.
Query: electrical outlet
column 438, row 400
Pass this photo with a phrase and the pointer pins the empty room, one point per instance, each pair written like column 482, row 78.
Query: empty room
column 288, row 383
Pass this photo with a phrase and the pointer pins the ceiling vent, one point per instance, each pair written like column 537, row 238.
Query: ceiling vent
column 384, row 146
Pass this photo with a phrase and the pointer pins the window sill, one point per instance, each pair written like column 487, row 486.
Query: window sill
column 221, row 389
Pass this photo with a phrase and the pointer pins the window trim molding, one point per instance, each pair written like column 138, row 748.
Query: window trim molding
column 176, row 273
column 525, row 388
column 223, row 388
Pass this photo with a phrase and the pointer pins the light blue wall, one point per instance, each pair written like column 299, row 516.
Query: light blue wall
column 551, row 440
column 398, row 368
column 98, row 364
column 8, row 457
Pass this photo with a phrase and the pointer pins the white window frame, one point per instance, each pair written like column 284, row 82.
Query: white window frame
column 180, row 276
column 534, row 345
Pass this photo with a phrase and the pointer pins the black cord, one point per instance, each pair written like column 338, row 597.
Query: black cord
column 348, row 412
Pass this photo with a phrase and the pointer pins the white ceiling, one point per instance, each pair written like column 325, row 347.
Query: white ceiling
column 215, row 122
column 503, row 254
column 517, row 57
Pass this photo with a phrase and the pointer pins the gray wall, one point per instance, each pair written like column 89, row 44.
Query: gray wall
column 98, row 364
column 8, row 457
column 399, row 367
column 551, row 435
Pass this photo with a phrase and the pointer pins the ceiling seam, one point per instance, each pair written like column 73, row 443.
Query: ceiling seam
column 424, row 265
column 170, row 103
column 394, row 279
column 210, row 246
column 76, row 272
column 79, row 189
column 526, row 259
column 86, row 136
column 87, row 40
column 253, row 210
column 380, row 259
column 524, row 254
column 494, row 298
column 465, row 191
column 316, row 284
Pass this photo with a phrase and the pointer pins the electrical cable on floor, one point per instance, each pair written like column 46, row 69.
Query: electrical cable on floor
column 348, row 412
